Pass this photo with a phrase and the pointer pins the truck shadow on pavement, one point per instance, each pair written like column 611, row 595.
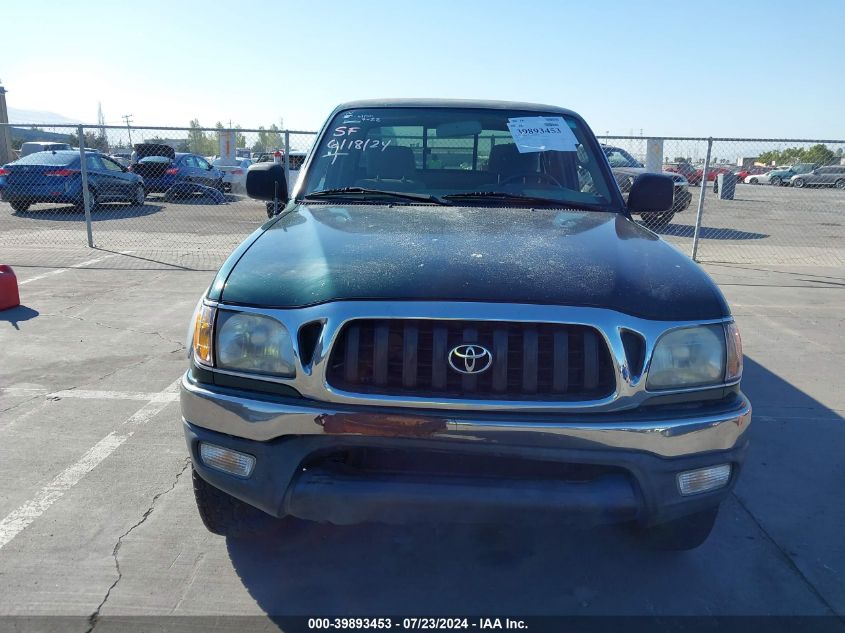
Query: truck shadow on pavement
column 748, row 566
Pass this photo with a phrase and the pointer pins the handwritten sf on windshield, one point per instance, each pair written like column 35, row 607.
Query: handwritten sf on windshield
column 345, row 145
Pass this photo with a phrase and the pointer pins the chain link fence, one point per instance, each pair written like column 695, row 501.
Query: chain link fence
column 191, row 210
column 781, row 203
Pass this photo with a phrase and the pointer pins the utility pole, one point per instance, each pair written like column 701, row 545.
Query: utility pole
column 101, row 122
column 5, row 132
column 128, row 119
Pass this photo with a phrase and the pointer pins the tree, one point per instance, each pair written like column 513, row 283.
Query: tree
column 769, row 158
column 259, row 146
column 819, row 154
column 196, row 138
column 92, row 141
column 198, row 142
column 276, row 136
column 268, row 140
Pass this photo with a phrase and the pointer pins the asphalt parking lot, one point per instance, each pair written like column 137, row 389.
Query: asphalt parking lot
column 762, row 225
column 97, row 517
column 766, row 225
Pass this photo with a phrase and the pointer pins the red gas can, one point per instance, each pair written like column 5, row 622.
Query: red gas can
column 9, row 297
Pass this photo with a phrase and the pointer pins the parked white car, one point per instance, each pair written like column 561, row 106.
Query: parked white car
column 234, row 173
column 758, row 179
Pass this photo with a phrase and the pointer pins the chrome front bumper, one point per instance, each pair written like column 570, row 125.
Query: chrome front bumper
column 667, row 434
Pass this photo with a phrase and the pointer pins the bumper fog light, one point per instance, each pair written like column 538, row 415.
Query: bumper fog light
column 704, row 479
column 227, row 460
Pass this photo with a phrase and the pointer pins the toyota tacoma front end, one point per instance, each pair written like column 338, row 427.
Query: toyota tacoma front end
column 455, row 318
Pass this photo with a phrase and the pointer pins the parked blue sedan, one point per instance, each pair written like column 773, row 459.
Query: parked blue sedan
column 162, row 169
column 56, row 176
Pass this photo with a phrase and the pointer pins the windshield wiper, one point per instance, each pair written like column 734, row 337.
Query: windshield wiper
column 517, row 197
column 348, row 192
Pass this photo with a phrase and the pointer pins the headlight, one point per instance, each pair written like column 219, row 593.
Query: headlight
column 253, row 343
column 688, row 357
column 733, row 370
column 189, row 341
column 201, row 337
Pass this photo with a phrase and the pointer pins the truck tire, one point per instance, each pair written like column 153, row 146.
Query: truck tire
column 681, row 534
column 20, row 206
column 224, row 515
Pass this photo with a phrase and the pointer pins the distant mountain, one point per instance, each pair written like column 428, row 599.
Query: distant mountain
column 17, row 115
column 24, row 134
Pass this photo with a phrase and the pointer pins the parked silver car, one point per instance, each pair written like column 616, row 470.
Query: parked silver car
column 832, row 176
column 234, row 173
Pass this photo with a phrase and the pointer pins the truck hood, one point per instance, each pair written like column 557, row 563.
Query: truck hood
column 317, row 253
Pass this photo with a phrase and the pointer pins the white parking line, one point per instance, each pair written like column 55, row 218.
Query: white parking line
column 19, row 519
column 42, row 276
column 58, row 271
column 90, row 394
column 87, row 394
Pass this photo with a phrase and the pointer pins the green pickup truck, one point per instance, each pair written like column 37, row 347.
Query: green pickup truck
column 483, row 336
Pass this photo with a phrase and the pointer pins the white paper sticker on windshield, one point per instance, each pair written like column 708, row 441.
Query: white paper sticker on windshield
column 541, row 134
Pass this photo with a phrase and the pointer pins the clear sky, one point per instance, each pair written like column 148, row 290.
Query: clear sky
column 772, row 68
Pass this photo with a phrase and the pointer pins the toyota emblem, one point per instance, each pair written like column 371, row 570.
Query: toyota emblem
column 470, row 359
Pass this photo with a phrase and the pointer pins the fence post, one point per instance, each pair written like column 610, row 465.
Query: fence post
column 287, row 161
column 700, row 212
column 86, row 194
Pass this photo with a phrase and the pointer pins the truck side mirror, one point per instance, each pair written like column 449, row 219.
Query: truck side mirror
column 650, row 193
column 266, row 181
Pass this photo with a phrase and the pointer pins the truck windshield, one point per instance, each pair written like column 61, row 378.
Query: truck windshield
column 461, row 154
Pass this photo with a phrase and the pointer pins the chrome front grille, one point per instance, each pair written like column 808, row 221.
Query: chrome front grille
column 530, row 361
